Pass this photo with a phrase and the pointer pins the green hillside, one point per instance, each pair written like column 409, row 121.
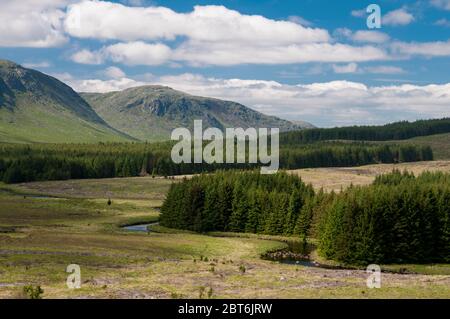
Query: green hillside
column 35, row 107
column 389, row 132
column 152, row 112
column 439, row 143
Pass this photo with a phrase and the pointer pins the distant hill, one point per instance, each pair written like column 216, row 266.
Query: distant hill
column 389, row 132
column 304, row 124
column 35, row 107
column 152, row 112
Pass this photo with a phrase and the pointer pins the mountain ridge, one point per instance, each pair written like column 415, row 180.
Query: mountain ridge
column 152, row 111
column 35, row 107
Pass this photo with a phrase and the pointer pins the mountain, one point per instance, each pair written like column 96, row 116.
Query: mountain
column 152, row 112
column 35, row 107
column 304, row 124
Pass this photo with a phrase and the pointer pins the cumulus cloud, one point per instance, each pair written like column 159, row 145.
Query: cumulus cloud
column 107, row 20
column 132, row 53
column 114, row 72
column 102, row 86
column 398, row 17
column 427, row 49
column 325, row 104
column 199, row 53
column 32, row 23
column 370, row 36
column 210, row 35
column 88, row 57
column 138, row 53
column 227, row 54
column 361, row 36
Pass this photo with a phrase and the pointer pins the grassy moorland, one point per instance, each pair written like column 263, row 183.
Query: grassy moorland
column 40, row 236
column 439, row 143
column 336, row 178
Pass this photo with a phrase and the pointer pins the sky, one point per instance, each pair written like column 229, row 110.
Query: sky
column 311, row 60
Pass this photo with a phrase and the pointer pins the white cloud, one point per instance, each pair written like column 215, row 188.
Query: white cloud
column 354, row 68
column 427, row 49
column 443, row 4
column 226, row 54
column 32, row 23
column 199, row 53
column 132, row 53
column 398, row 17
column 361, row 36
column 95, row 85
column 384, row 69
column 106, row 20
column 210, row 35
column 347, row 68
column 88, row 57
column 326, row 104
column 370, row 37
column 138, row 53
column 114, row 72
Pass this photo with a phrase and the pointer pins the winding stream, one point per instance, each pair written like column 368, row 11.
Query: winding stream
column 143, row 228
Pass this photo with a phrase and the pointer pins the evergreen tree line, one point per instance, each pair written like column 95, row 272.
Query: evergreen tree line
column 239, row 201
column 397, row 219
column 394, row 131
column 350, row 154
column 19, row 163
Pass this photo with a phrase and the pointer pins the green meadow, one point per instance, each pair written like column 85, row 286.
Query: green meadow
column 45, row 226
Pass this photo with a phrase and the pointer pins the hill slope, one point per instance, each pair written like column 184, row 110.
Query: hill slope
column 388, row 132
column 152, row 112
column 35, row 107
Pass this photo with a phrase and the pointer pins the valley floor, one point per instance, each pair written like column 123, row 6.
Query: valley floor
column 45, row 226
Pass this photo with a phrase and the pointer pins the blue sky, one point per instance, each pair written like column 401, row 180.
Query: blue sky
column 300, row 60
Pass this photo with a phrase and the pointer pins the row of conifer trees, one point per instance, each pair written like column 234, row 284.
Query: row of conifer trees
column 24, row 163
column 399, row 218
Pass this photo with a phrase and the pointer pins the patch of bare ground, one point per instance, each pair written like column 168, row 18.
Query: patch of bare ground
column 337, row 178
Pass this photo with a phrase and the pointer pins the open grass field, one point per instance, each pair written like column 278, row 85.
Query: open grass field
column 439, row 143
column 45, row 226
column 337, row 178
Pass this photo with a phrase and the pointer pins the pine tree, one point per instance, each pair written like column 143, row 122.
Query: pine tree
column 238, row 216
column 295, row 205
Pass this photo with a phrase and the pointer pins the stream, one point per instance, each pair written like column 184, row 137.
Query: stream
column 140, row 228
column 290, row 256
